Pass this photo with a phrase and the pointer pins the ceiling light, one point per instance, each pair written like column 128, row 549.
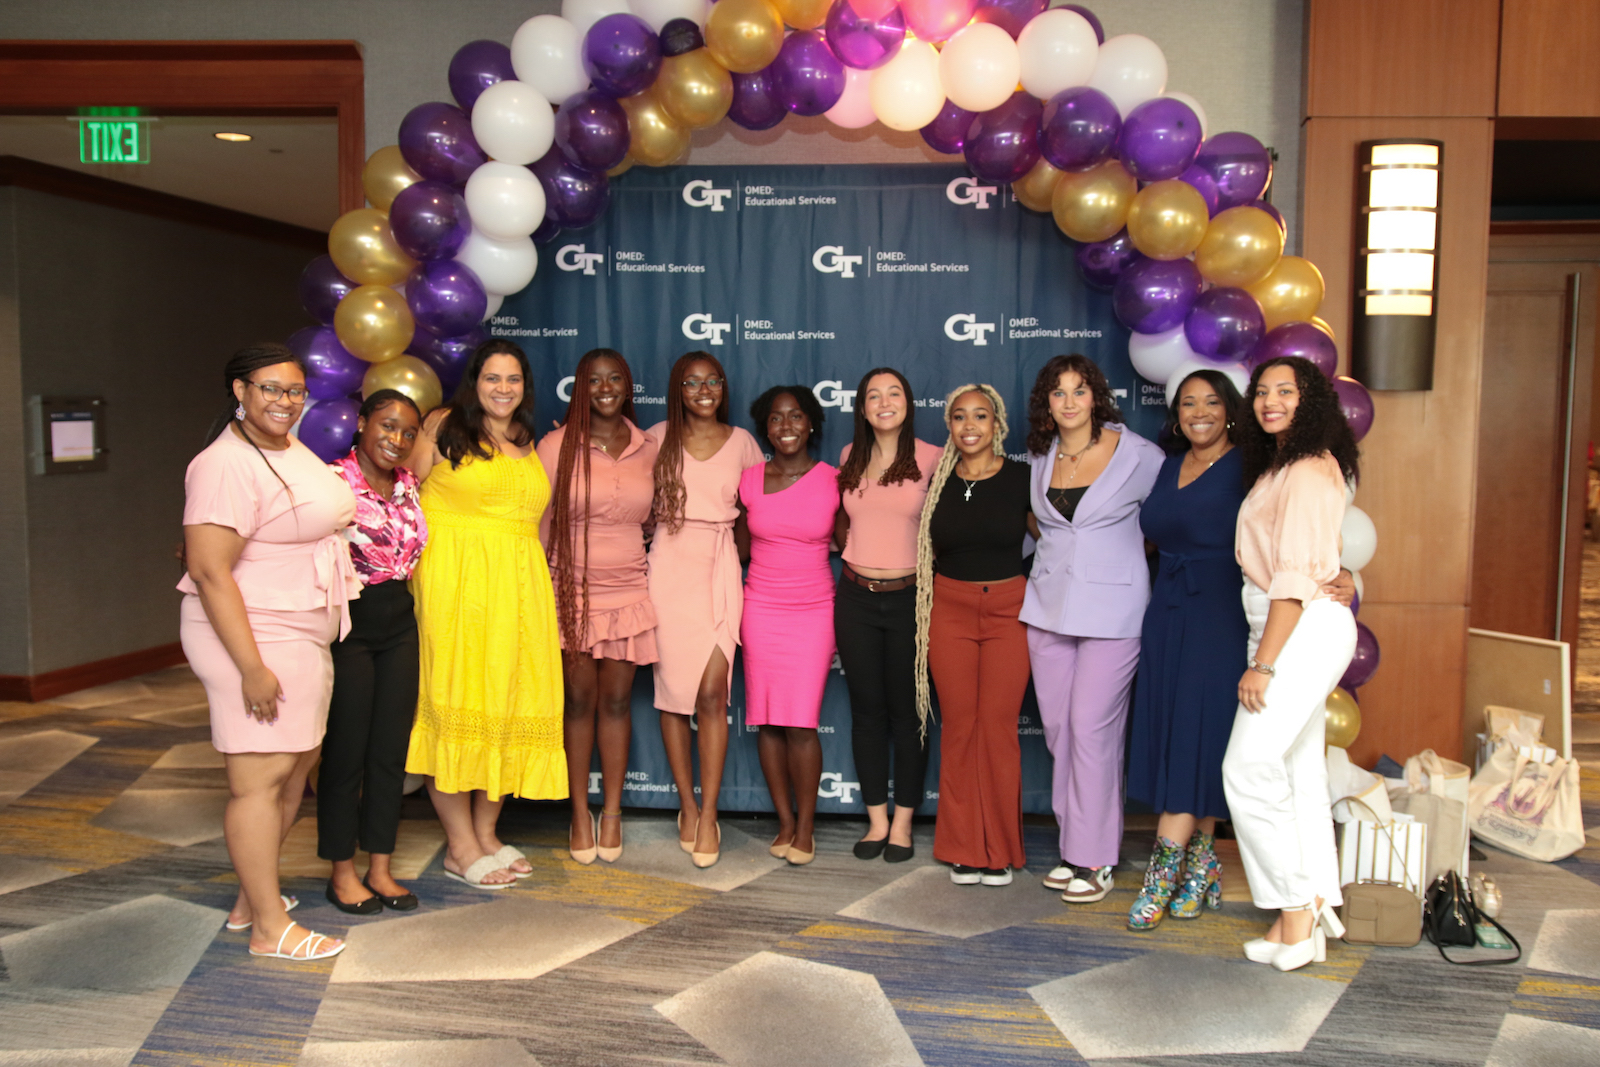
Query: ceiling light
column 233, row 137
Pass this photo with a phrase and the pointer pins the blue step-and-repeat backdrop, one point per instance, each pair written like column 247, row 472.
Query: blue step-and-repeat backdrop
column 813, row 275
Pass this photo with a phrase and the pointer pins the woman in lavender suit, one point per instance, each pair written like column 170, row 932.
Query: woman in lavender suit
column 1084, row 606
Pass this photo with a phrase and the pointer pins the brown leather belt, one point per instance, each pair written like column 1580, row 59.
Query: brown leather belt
column 879, row 585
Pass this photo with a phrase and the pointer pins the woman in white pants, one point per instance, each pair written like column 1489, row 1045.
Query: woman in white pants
column 1297, row 454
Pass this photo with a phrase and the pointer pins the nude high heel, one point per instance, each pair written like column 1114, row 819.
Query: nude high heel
column 610, row 855
column 706, row 859
column 585, row 856
column 687, row 846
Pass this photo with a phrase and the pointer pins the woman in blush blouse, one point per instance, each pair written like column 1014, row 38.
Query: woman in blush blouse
column 362, row 776
column 600, row 466
column 1084, row 607
column 1298, row 454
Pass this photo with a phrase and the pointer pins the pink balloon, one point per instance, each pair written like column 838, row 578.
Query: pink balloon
column 872, row 9
column 936, row 20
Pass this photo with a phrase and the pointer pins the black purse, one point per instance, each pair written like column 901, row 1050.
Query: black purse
column 1450, row 917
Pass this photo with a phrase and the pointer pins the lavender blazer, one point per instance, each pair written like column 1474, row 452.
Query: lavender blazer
column 1090, row 578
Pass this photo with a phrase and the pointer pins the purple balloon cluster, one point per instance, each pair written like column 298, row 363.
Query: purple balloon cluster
column 1225, row 324
column 621, row 55
column 574, row 197
column 429, row 220
column 860, row 42
column 1003, row 144
column 1078, row 128
column 328, row 427
column 436, row 141
column 1364, row 664
column 476, row 66
column 592, row 131
column 809, row 78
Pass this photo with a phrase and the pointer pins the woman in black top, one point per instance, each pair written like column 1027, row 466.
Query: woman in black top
column 972, row 528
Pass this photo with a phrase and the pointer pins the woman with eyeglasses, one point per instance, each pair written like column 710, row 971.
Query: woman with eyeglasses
column 695, row 585
column 268, row 584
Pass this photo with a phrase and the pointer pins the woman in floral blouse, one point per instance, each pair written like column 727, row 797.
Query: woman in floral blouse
column 375, row 667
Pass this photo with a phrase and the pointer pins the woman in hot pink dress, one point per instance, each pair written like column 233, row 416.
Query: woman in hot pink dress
column 785, row 529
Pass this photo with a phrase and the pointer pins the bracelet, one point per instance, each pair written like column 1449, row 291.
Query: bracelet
column 1263, row 668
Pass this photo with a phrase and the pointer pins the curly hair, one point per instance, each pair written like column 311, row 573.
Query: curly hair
column 904, row 467
column 1042, row 430
column 1233, row 408
column 1318, row 426
column 462, row 432
column 670, row 494
column 762, row 408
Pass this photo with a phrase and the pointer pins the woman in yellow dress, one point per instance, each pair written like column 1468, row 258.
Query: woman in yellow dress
column 489, row 704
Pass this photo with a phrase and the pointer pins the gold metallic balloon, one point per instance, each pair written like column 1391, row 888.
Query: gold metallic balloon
column 374, row 323
column 408, row 375
column 803, row 14
column 1034, row 188
column 1322, row 324
column 695, row 89
column 621, row 168
column 365, row 251
column 1291, row 292
column 744, row 35
column 653, row 138
column 1343, row 719
column 1091, row 205
column 385, row 174
column 1241, row 246
column 1168, row 219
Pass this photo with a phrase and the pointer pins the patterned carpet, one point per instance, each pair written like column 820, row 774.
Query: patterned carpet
column 114, row 883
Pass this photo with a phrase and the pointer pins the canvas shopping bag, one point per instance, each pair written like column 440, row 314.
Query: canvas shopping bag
column 1446, row 820
column 1429, row 773
column 1525, row 800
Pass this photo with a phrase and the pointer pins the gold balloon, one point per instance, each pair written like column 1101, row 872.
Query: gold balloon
column 1343, row 718
column 1291, row 291
column 385, row 174
column 365, row 251
column 653, row 138
column 1167, row 220
column 1322, row 324
column 1241, row 246
column 744, row 35
column 1034, row 188
column 1091, row 205
column 621, row 168
column 374, row 323
column 803, row 14
column 408, row 375
column 695, row 89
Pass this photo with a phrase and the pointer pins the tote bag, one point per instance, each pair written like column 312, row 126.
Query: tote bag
column 1525, row 800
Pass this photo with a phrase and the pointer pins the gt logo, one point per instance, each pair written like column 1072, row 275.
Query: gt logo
column 968, row 191
column 833, row 787
column 830, row 259
column 701, row 193
column 699, row 327
column 574, row 257
column 833, row 394
column 564, row 394
column 967, row 328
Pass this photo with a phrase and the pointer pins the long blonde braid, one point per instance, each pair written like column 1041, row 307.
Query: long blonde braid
column 941, row 475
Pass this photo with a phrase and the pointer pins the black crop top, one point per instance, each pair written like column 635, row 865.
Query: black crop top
column 980, row 539
column 1066, row 500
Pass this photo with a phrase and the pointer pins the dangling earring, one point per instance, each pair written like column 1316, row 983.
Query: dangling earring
column 1230, row 424
column 238, row 412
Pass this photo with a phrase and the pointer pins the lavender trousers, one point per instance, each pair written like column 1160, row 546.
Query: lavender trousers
column 1083, row 685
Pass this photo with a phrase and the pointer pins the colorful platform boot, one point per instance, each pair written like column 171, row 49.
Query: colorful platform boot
column 1202, row 880
column 1150, row 906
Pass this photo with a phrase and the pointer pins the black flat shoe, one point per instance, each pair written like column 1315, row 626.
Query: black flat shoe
column 870, row 850
column 370, row 906
column 404, row 902
column 898, row 853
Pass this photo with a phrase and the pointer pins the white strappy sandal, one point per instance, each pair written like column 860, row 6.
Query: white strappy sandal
column 289, row 904
column 312, row 943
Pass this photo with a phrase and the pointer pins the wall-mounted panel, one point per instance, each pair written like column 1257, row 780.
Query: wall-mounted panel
column 1548, row 51
column 1401, row 57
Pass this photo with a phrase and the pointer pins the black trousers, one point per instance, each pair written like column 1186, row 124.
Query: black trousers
column 369, row 725
column 877, row 638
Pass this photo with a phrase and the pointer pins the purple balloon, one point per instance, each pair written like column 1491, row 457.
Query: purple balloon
column 448, row 356
column 863, row 43
column 436, row 141
column 947, row 132
column 1204, row 184
column 446, row 298
column 548, row 231
column 1297, row 339
column 592, row 131
column 1009, row 15
column 1156, row 294
column 1277, row 216
column 1003, row 143
column 621, row 55
column 1224, row 324
column 331, row 370
column 1239, row 164
column 1160, row 139
column 1355, row 602
column 329, row 429
column 756, row 104
column 1356, row 403
column 680, row 37
column 1094, row 23
column 322, row 287
column 1102, row 262
column 476, row 66
column 574, row 197
column 1078, row 128
column 808, row 77
column 1364, row 664
column 429, row 220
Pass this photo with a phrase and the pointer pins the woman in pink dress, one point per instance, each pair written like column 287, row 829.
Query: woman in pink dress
column 785, row 530
column 694, row 584
column 601, row 469
column 268, row 584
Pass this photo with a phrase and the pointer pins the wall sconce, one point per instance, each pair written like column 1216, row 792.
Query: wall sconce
column 1397, row 264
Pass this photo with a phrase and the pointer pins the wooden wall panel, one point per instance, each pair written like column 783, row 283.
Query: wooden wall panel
column 1401, row 57
column 1548, row 51
column 1424, row 646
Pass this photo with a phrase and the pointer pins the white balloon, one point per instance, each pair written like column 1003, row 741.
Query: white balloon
column 495, row 300
column 1358, row 539
column 660, row 12
column 504, row 267
column 1236, row 373
column 906, row 93
column 1130, row 70
column 979, row 67
column 1156, row 355
column 1194, row 105
column 513, row 123
column 1057, row 50
column 585, row 13
column 854, row 109
column 504, row 201
column 547, row 53
column 1349, row 491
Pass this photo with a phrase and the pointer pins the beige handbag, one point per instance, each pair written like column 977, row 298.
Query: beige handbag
column 1525, row 800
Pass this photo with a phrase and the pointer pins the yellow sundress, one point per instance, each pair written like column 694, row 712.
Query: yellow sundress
column 489, row 706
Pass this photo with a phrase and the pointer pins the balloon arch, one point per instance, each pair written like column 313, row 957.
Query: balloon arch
column 1167, row 220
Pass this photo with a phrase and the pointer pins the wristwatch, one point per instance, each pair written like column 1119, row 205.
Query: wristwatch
column 1263, row 668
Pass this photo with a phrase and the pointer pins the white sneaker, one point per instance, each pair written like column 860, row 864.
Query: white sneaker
column 1059, row 876
column 1088, row 885
column 997, row 877
column 965, row 875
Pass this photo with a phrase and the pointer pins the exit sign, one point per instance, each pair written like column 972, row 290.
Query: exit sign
column 105, row 140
